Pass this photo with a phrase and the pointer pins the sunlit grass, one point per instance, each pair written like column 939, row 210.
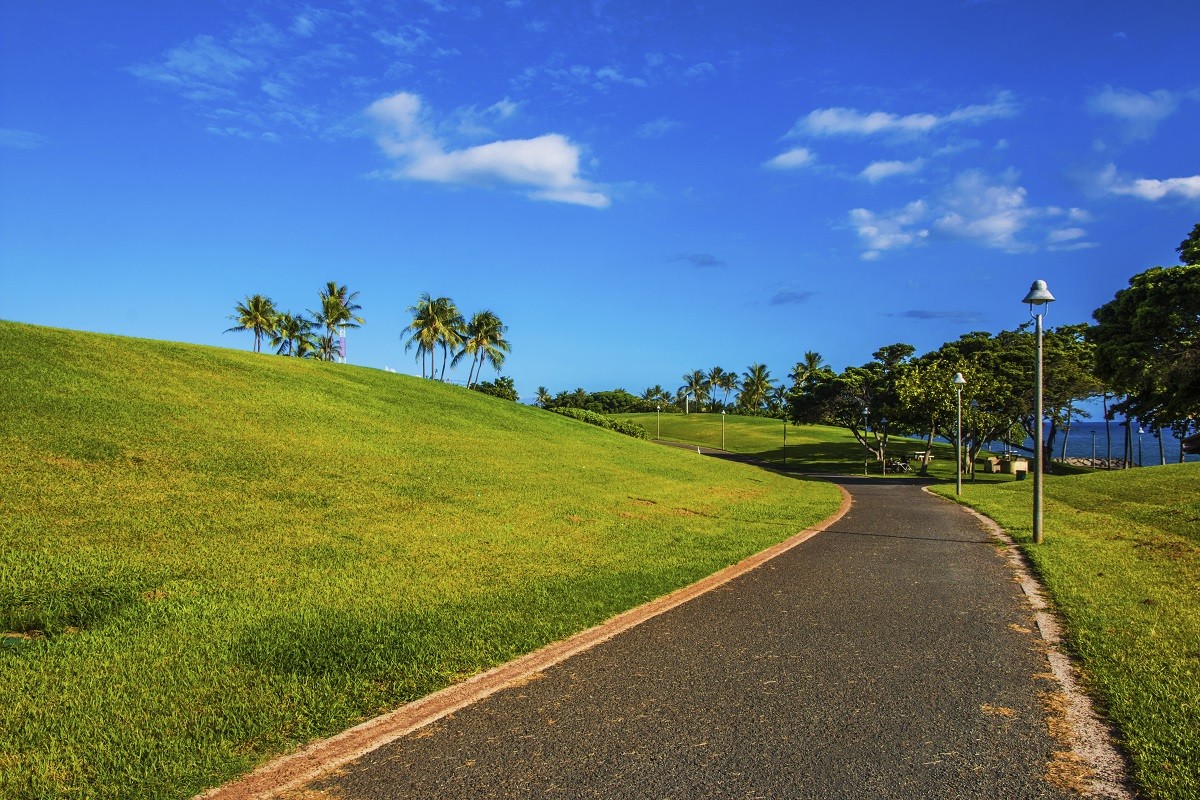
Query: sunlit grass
column 208, row 556
column 1121, row 559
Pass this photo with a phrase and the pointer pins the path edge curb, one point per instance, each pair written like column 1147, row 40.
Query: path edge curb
column 290, row 771
column 1091, row 739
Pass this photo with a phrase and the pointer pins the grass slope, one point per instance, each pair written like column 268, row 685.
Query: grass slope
column 208, row 557
column 1121, row 559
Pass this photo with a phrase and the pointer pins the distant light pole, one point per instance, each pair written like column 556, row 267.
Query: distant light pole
column 1140, row 432
column 722, row 429
column 1038, row 296
column 959, row 382
column 866, row 411
column 658, row 419
column 785, row 442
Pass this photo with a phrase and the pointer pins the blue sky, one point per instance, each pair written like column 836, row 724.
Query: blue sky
column 637, row 189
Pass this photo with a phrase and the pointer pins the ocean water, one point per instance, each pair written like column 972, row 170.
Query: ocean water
column 1080, row 442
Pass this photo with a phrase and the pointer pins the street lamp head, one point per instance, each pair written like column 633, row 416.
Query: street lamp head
column 1038, row 294
column 958, row 380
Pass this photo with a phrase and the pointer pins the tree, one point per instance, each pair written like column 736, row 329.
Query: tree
column 806, row 370
column 256, row 313
column 542, row 398
column 335, row 314
column 292, row 335
column 756, row 384
column 696, row 384
column 656, row 394
column 483, row 339
column 719, row 379
column 1147, row 341
column 859, row 399
column 436, row 322
column 1189, row 248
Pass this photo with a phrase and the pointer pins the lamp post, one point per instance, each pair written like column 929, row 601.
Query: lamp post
column 658, row 419
column 959, row 382
column 785, row 442
column 883, row 444
column 722, row 429
column 1140, row 432
column 867, row 450
column 1038, row 296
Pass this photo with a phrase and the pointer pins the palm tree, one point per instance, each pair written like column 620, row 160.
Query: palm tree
column 543, row 398
column 435, row 322
column 695, row 383
column 716, row 378
column 292, row 335
column 656, row 394
column 756, row 382
column 483, row 340
column 255, row 313
column 335, row 316
column 806, row 370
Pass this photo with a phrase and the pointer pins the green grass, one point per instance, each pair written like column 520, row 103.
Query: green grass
column 817, row 449
column 1121, row 560
column 208, row 557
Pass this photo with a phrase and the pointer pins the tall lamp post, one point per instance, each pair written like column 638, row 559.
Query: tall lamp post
column 959, row 382
column 722, row 429
column 658, row 419
column 1038, row 296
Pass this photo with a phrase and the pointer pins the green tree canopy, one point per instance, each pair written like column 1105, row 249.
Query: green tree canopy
column 256, row 313
column 1147, row 341
column 1189, row 248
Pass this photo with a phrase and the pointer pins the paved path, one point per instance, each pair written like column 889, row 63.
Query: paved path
column 890, row 656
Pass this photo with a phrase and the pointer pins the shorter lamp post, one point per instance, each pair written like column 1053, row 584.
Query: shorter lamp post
column 785, row 442
column 866, row 449
column 959, row 382
column 722, row 429
column 658, row 419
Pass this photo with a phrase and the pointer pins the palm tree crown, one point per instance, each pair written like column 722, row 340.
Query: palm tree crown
column 483, row 340
column 756, row 383
column 255, row 313
column 335, row 316
column 435, row 322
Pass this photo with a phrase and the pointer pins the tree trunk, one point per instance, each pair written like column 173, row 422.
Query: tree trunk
column 928, row 447
column 1066, row 433
column 1162, row 447
column 1107, row 433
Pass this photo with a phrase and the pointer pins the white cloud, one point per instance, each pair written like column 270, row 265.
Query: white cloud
column 1140, row 112
column 879, row 170
column 547, row 166
column 1065, row 235
column 992, row 214
column 892, row 230
column 793, row 159
column 1149, row 188
column 852, row 122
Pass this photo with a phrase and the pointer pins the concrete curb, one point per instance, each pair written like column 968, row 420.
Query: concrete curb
column 317, row 758
column 1090, row 739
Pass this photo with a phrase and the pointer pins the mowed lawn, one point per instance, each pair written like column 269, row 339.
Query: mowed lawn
column 1121, row 560
column 208, row 557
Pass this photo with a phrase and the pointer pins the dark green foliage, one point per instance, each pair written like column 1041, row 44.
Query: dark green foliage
column 503, row 387
column 616, row 401
column 601, row 421
column 1189, row 248
column 1147, row 341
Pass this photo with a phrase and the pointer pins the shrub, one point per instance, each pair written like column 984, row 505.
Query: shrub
column 601, row 421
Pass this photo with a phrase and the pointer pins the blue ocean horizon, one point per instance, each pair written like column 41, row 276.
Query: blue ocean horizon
column 1085, row 434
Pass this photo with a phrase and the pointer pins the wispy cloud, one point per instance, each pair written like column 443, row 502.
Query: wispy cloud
column 21, row 140
column 700, row 260
column 992, row 212
column 790, row 298
column 657, row 128
column 1139, row 112
column 1152, row 189
column 792, row 159
column 880, row 170
column 852, row 122
column 960, row 317
column 547, row 166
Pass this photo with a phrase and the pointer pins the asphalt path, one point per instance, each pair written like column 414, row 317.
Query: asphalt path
column 890, row 656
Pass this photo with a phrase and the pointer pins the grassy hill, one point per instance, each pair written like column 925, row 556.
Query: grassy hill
column 208, row 557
